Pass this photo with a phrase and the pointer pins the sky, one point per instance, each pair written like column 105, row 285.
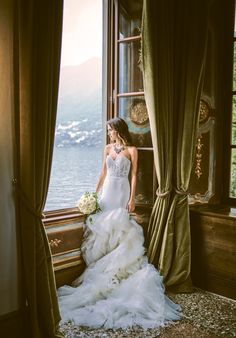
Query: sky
column 82, row 31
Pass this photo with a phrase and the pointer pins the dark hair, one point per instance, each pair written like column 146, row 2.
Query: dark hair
column 122, row 129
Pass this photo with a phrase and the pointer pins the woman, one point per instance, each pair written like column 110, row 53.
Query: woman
column 119, row 288
column 120, row 146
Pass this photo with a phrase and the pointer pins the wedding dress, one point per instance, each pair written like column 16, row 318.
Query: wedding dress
column 119, row 288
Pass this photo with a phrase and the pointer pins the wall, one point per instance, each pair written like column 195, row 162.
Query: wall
column 213, row 225
column 213, row 249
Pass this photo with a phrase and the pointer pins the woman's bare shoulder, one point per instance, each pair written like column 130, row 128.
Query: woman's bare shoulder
column 107, row 148
column 132, row 150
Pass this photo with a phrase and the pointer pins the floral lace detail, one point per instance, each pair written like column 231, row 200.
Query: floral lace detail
column 118, row 167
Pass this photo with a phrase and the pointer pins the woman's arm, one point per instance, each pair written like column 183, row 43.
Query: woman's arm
column 104, row 169
column 134, row 165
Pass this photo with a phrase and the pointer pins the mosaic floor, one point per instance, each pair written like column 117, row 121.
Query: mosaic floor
column 205, row 315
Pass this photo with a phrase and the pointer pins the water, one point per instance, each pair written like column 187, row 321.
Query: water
column 74, row 171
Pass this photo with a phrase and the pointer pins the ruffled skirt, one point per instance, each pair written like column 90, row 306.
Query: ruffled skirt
column 119, row 288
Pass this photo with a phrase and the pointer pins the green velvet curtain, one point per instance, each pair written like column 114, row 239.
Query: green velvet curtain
column 174, row 35
column 38, row 31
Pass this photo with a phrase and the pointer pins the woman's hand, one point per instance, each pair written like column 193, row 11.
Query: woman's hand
column 131, row 205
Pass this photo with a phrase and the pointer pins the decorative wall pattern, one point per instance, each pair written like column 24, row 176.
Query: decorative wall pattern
column 202, row 182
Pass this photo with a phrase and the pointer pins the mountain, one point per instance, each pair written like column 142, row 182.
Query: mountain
column 79, row 116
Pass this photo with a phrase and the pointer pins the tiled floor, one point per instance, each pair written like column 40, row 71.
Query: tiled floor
column 205, row 315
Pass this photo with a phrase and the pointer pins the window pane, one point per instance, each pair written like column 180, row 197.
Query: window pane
column 233, row 174
column 134, row 111
column 78, row 139
column 235, row 19
column 233, row 138
column 130, row 75
column 130, row 18
column 75, row 170
column 234, row 68
column 144, row 189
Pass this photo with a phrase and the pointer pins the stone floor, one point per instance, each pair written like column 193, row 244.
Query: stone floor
column 205, row 315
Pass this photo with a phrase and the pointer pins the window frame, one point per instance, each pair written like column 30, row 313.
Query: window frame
column 115, row 94
column 73, row 212
column 228, row 113
column 113, row 79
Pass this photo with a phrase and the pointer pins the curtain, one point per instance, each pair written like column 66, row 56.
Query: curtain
column 174, row 36
column 38, row 31
column 160, row 124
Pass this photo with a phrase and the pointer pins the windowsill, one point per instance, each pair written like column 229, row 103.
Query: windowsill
column 53, row 216
column 61, row 215
column 215, row 210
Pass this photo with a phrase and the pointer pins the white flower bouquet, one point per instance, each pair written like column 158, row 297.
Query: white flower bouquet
column 88, row 203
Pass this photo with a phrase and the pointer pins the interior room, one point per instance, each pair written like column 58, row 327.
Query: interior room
column 168, row 68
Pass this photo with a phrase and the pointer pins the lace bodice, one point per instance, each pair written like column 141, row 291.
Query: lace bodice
column 118, row 167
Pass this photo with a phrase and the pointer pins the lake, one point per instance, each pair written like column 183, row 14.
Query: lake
column 74, row 171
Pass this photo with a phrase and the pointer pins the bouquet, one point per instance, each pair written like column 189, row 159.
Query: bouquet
column 88, row 203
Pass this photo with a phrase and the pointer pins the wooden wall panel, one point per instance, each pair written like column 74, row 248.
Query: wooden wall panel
column 15, row 324
column 66, row 275
column 214, row 252
column 213, row 247
column 65, row 235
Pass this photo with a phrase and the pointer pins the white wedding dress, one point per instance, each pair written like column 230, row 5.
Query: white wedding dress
column 119, row 288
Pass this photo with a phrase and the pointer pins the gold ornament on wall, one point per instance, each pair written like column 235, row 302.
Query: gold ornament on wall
column 204, row 111
column 139, row 113
column 55, row 243
column 141, row 139
column 199, row 145
column 139, row 197
column 202, row 183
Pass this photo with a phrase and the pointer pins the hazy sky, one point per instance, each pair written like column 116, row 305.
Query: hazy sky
column 82, row 31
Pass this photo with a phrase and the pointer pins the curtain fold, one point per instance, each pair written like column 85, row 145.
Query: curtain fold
column 173, row 63
column 160, row 124
column 38, row 31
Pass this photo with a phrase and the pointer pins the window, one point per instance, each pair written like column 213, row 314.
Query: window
column 80, row 125
column 79, row 132
column 126, row 92
column 232, row 189
column 230, row 136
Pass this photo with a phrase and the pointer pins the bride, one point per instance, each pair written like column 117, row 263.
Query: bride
column 119, row 288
